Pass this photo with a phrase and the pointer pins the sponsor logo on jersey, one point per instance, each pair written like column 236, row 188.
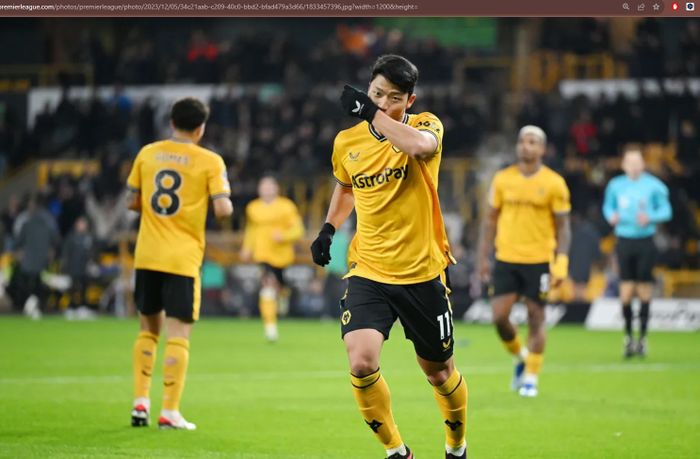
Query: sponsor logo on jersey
column 524, row 203
column 363, row 180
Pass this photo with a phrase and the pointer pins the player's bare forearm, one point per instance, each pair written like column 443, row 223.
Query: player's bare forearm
column 342, row 203
column 408, row 139
column 563, row 223
column 133, row 200
column 488, row 233
column 486, row 243
column 223, row 207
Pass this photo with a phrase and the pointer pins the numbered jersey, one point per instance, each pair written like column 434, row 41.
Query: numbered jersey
column 176, row 180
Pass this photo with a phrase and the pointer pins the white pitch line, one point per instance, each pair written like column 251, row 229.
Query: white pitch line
column 265, row 376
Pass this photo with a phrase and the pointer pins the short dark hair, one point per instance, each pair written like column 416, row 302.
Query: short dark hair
column 188, row 114
column 398, row 70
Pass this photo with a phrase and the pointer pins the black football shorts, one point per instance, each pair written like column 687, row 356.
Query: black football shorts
column 424, row 311
column 156, row 291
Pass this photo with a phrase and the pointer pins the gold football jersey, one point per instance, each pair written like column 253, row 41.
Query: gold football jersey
column 176, row 179
column 262, row 221
column 400, row 237
column 526, row 231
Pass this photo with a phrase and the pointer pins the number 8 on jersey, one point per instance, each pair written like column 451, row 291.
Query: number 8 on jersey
column 164, row 200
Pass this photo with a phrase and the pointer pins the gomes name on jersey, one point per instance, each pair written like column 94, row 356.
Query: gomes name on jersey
column 363, row 180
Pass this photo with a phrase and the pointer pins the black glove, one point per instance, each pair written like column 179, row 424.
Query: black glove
column 358, row 104
column 321, row 247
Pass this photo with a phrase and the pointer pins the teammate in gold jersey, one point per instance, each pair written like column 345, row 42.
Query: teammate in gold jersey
column 171, row 183
column 529, row 216
column 273, row 225
column 387, row 167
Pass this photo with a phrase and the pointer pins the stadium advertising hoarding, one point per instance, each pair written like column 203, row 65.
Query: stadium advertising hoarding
column 633, row 88
column 667, row 314
column 480, row 312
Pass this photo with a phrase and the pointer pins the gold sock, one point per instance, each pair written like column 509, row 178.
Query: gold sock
column 177, row 356
column 268, row 306
column 374, row 401
column 533, row 363
column 513, row 346
column 144, row 356
column 452, row 399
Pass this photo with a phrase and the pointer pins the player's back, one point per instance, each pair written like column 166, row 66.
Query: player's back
column 174, row 180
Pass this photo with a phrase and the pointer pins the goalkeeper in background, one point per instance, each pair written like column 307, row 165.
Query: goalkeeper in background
column 273, row 225
column 528, row 218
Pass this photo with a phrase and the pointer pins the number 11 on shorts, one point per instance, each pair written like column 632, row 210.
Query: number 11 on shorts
column 445, row 321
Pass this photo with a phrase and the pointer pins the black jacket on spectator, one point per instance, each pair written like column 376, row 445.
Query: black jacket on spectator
column 37, row 238
column 78, row 249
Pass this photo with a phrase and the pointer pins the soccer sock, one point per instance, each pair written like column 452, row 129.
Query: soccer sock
column 514, row 347
column 533, row 365
column 643, row 319
column 627, row 314
column 374, row 401
column 144, row 356
column 177, row 356
column 452, row 398
column 268, row 305
column 457, row 451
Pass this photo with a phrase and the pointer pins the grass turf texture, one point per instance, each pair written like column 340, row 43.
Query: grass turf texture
column 65, row 392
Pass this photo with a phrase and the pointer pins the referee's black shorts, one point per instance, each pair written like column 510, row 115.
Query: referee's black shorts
column 636, row 258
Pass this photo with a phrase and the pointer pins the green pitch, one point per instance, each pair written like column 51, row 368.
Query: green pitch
column 65, row 392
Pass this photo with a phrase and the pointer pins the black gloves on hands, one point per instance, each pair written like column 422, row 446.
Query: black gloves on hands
column 321, row 247
column 358, row 104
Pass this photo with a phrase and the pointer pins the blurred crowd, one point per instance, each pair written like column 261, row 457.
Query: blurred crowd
column 224, row 52
column 339, row 52
column 656, row 47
